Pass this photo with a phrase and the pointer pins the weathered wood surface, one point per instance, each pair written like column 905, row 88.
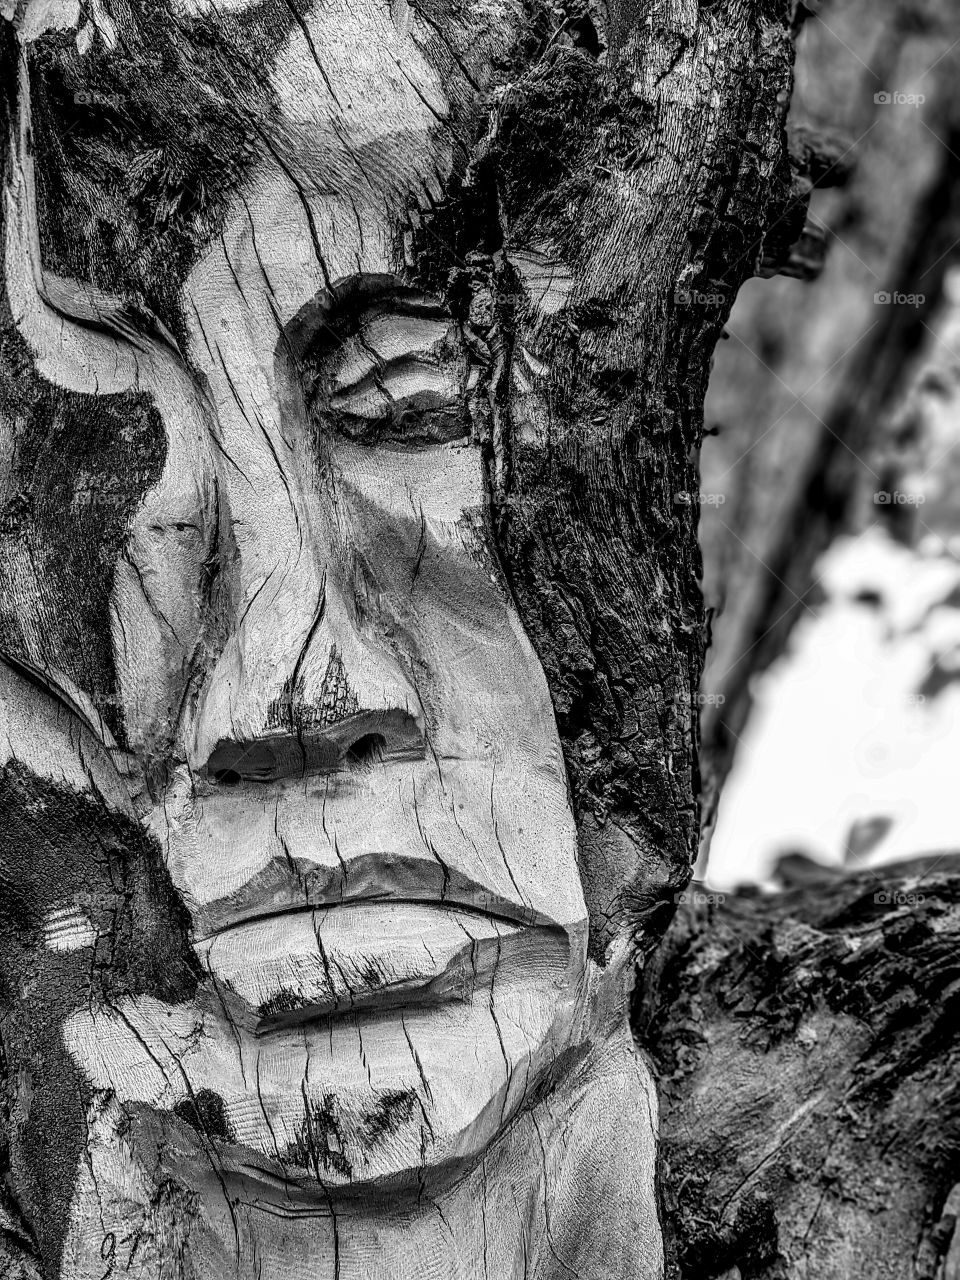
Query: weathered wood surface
column 806, row 1050
column 349, row 384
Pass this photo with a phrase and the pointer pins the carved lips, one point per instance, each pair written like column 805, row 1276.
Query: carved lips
column 380, row 932
column 281, row 971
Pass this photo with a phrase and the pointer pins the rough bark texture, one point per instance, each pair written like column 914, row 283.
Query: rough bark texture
column 600, row 553
column 805, row 394
column 806, row 1051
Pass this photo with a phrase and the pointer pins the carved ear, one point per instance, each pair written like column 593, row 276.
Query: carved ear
column 81, row 338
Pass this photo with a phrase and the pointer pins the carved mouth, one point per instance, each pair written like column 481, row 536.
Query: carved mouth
column 284, row 970
column 295, row 884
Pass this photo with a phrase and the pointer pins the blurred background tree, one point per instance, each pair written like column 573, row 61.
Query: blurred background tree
column 837, row 385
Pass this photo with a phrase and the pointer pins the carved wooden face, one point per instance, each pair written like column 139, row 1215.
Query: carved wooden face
column 365, row 807
column 271, row 596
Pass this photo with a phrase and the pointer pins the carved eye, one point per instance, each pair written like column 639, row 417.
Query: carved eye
column 398, row 375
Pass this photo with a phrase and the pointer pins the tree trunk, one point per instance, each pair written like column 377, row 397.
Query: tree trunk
column 805, row 1049
column 354, row 362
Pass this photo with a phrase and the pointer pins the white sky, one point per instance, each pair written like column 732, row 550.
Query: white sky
column 837, row 734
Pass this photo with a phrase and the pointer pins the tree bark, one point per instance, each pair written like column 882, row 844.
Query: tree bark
column 805, row 1048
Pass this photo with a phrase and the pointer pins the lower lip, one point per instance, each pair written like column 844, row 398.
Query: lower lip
column 323, row 963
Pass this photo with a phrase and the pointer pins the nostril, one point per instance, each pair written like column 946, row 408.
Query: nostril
column 227, row 777
column 366, row 750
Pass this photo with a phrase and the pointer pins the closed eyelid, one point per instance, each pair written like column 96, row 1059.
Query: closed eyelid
column 400, row 374
column 393, row 343
column 378, row 362
column 413, row 386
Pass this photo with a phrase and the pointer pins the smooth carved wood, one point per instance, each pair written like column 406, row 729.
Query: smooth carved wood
column 349, row 617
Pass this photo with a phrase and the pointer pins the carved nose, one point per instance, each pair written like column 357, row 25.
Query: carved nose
column 289, row 699
column 356, row 744
column 314, row 673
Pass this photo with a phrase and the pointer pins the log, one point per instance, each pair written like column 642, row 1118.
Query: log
column 805, row 1049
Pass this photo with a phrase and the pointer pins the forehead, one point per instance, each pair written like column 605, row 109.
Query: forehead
column 149, row 127
column 361, row 133
column 355, row 94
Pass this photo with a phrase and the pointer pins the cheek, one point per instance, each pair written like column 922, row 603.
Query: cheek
column 82, row 465
column 416, row 522
column 417, row 526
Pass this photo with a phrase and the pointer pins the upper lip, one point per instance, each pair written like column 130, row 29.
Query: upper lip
column 370, row 877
